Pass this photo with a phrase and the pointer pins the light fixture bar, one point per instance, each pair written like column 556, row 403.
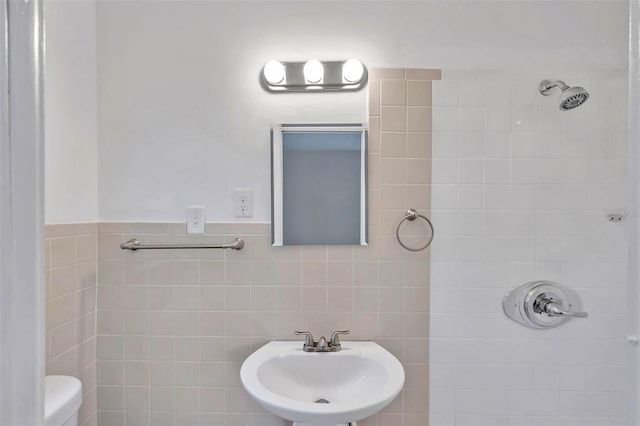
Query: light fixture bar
column 320, row 76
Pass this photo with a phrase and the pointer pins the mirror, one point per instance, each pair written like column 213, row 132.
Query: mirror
column 319, row 184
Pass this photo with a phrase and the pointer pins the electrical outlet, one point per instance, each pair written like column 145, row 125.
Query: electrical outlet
column 243, row 202
column 195, row 220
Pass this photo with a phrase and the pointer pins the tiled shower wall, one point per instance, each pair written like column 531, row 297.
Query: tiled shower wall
column 175, row 325
column 70, row 277
column 521, row 192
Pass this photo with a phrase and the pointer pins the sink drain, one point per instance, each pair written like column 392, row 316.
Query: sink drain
column 322, row 401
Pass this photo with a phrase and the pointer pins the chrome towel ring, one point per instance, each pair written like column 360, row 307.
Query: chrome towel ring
column 412, row 214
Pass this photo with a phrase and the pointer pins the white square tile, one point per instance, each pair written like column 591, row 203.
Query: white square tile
column 522, row 118
column 470, row 197
column 446, row 220
column 443, row 273
column 549, row 145
column 549, row 171
column 497, row 145
column 445, row 93
column 444, row 145
column 575, row 171
column 497, row 119
column 471, row 92
column 550, row 121
column 442, row 377
column 442, row 402
column 497, row 171
column 444, row 171
column 524, row 144
column 510, row 197
column 445, row 119
column 469, row 223
column 524, row 91
column 575, row 145
column 471, row 119
column 471, row 171
column 524, row 171
column 471, row 145
column 444, row 197
column 444, row 249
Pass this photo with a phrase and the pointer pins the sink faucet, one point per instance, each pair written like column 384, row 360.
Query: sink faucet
column 321, row 345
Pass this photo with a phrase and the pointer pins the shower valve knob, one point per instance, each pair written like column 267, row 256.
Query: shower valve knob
column 553, row 309
column 542, row 304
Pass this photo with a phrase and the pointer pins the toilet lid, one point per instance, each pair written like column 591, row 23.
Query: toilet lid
column 62, row 399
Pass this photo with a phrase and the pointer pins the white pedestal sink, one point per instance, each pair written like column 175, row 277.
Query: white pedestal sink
column 351, row 385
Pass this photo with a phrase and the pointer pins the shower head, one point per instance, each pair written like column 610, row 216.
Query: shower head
column 570, row 98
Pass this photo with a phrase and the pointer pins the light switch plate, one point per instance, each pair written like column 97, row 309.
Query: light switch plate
column 195, row 220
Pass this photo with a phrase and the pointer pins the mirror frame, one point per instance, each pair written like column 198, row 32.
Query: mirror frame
column 277, row 183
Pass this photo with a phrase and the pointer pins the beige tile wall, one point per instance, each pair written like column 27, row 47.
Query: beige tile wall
column 175, row 325
column 70, row 283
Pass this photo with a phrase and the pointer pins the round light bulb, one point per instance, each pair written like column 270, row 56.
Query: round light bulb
column 274, row 72
column 313, row 71
column 352, row 71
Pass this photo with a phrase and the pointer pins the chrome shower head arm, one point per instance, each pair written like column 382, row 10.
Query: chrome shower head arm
column 546, row 86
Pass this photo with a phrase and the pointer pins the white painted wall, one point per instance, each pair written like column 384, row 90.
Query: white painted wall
column 71, row 140
column 183, row 119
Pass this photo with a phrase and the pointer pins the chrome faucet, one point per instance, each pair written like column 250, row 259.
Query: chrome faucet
column 310, row 345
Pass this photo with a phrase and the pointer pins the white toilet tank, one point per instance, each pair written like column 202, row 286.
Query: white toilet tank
column 62, row 399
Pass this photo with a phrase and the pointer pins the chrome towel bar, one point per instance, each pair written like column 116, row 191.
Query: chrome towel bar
column 133, row 244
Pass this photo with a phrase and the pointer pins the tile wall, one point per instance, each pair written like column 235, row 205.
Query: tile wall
column 175, row 326
column 520, row 192
column 517, row 190
column 70, row 277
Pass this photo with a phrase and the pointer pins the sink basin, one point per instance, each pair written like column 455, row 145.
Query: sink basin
column 357, row 382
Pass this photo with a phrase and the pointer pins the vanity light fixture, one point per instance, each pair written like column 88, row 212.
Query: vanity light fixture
column 313, row 76
column 274, row 72
column 352, row 71
column 313, row 71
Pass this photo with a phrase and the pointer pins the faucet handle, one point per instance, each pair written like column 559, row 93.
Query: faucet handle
column 308, row 340
column 335, row 340
column 554, row 309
